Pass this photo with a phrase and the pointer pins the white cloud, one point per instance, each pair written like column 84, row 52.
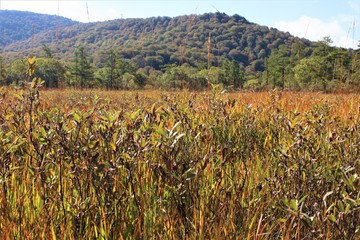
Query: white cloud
column 316, row 29
column 354, row 5
column 33, row 6
column 347, row 18
column 75, row 10
column 112, row 11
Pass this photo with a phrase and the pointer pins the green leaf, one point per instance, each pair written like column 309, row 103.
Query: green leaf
column 332, row 218
column 134, row 115
column 302, row 199
column 341, row 206
column 43, row 132
column 347, row 208
column 294, row 205
column 286, row 202
column 153, row 109
column 160, row 130
column 76, row 117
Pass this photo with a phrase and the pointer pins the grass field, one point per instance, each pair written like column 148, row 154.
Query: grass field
column 179, row 165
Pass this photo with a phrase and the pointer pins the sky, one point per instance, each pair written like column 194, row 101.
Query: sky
column 312, row 19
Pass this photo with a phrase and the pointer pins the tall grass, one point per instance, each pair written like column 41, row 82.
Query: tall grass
column 150, row 165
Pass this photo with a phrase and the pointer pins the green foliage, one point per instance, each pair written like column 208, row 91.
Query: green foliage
column 48, row 52
column 309, row 73
column 3, row 73
column 277, row 66
column 51, row 71
column 233, row 76
column 81, row 71
column 184, row 76
column 326, row 69
column 119, row 73
column 252, row 84
column 122, row 54
column 183, row 39
column 16, row 72
column 353, row 80
column 20, row 26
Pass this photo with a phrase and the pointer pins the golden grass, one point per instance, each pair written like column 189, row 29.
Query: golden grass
column 179, row 165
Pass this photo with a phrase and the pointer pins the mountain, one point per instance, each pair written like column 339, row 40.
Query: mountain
column 154, row 42
column 18, row 26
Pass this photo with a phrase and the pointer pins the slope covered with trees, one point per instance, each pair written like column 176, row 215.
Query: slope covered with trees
column 183, row 52
column 20, row 26
column 162, row 40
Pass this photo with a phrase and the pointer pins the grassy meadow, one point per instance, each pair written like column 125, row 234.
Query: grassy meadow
column 178, row 165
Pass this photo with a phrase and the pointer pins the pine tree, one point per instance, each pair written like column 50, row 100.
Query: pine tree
column 82, row 71
column 2, row 72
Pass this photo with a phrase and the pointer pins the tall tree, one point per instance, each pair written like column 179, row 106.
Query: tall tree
column 2, row 72
column 233, row 75
column 107, row 75
column 309, row 73
column 51, row 71
column 81, row 70
column 329, row 58
column 277, row 66
column 119, row 73
column 353, row 79
column 323, row 46
column 48, row 52
column 111, row 64
column 16, row 72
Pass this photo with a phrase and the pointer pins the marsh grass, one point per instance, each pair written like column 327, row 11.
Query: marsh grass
column 151, row 165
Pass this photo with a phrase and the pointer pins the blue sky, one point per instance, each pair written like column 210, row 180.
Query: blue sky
column 313, row 19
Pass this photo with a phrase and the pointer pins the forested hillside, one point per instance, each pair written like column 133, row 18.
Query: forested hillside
column 180, row 52
column 162, row 40
column 19, row 26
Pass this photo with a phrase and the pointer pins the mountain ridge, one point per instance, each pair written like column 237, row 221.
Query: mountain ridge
column 21, row 25
column 158, row 41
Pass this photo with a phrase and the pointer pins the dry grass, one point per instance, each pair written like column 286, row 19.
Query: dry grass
column 129, row 165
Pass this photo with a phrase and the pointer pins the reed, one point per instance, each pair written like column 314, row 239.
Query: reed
column 186, row 165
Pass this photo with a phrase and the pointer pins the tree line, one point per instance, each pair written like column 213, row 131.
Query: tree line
column 292, row 66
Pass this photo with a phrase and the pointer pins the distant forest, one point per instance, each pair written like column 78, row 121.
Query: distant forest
column 171, row 53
